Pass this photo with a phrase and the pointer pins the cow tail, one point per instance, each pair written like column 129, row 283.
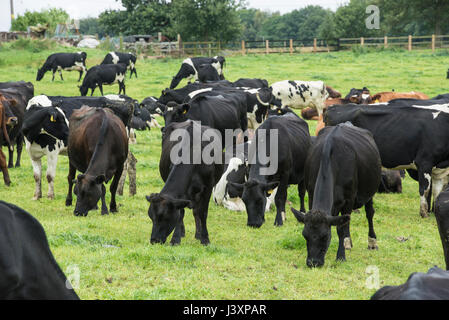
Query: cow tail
column 5, row 132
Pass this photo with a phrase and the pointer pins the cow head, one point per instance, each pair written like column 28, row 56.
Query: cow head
column 164, row 212
column 317, row 233
column 83, row 89
column 359, row 96
column 254, row 194
column 40, row 74
column 88, row 189
column 175, row 112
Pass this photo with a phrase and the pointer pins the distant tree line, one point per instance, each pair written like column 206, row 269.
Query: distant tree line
column 232, row 20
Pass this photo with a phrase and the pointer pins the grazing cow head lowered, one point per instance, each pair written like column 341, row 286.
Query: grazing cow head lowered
column 40, row 74
column 317, row 233
column 175, row 112
column 88, row 190
column 164, row 211
column 254, row 194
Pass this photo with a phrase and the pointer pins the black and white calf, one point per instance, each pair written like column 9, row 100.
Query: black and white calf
column 190, row 66
column 342, row 173
column 104, row 74
column 410, row 134
column 290, row 134
column 63, row 61
column 129, row 59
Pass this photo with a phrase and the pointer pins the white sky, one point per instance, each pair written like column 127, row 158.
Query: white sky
column 92, row 8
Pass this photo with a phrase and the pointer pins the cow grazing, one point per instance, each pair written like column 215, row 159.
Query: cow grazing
column 46, row 130
column 63, row 61
column 28, row 268
column 442, row 218
column 97, row 147
column 433, row 285
column 236, row 170
column 402, row 129
column 4, row 137
column 189, row 68
column 129, row 59
column 186, row 184
column 342, row 173
column 391, row 182
column 104, row 74
column 286, row 166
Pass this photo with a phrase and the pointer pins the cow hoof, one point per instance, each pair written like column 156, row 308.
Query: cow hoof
column 68, row 203
column 175, row 242
column 347, row 242
column 424, row 214
column 205, row 242
column 104, row 212
column 372, row 244
column 36, row 198
column 51, row 196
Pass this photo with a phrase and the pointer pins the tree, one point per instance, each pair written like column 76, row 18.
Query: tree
column 206, row 19
column 91, row 26
column 51, row 16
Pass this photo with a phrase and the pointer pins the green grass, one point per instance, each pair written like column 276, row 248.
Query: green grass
column 113, row 253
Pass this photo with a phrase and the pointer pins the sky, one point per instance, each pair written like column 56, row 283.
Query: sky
column 92, row 8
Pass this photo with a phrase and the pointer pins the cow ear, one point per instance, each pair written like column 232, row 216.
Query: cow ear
column 154, row 197
column 298, row 215
column 185, row 108
column 181, row 204
column 339, row 221
column 353, row 99
column 235, row 189
column 268, row 188
column 100, row 179
column 80, row 177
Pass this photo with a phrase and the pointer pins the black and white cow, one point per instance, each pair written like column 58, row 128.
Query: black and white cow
column 63, row 61
column 186, row 184
column 189, row 68
column 129, row 59
column 46, row 129
column 207, row 73
column 442, row 218
column 290, row 135
column 28, row 269
column 236, row 170
column 104, row 74
column 410, row 134
column 433, row 285
column 342, row 173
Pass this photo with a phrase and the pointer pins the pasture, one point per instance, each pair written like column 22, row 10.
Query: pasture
column 113, row 253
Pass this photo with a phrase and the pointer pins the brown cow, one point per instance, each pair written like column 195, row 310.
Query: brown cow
column 388, row 96
column 332, row 92
column 98, row 147
column 4, row 136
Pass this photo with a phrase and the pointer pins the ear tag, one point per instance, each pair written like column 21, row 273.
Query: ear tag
column 270, row 192
column 377, row 101
column 185, row 111
column 279, row 111
column 52, row 119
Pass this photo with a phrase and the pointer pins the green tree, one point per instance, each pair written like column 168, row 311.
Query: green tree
column 91, row 26
column 252, row 21
column 51, row 16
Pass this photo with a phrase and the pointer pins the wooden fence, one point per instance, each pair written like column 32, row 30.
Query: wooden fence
column 407, row 42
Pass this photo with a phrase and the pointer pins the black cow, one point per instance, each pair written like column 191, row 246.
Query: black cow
column 251, row 83
column 442, row 217
column 282, row 168
column 189, row 68
column 219, row 112
column 410, row 134
column 359, row 96
column 63, row 61
column 97, row 147
column 207, row 73
column 104, row 74
column 129, row 59
column 25, row 88
column 342, row 174
column 186, row 184
column 28, row 269
column 391, row 182
column 433, row 285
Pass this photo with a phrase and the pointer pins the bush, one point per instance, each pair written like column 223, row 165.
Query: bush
column 33, row 45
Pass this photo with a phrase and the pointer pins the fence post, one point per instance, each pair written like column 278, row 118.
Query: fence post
column 243, row 48
column 410, row 42
column 210, row 51
column 180, row 50
column 386, row 42
column 433, row 43
column 267, row 46
column 362, row 41
column 314, row 45
column 291, row 46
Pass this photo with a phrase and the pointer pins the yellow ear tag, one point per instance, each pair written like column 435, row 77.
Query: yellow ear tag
column 279, row 111
column 377, row 101
column 52, row 119
column 270, row 192
column 185, row 111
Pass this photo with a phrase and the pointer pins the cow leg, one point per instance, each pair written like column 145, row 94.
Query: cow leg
column 113, row 188
column 279, row 200
column 37, row 170
column 302, row 195
column 4, row 168
column 70, row 178
column 344, row 241
column 198, row 225
column 104, row 208
column 92, row 91
column 81, row 74
column 123, row 87
column 425, row 180
column 52, row 161
column 19, row 149
column 54, row 71
column 134, row 71
column 132, row 174
column 201, row 210
column 176, row 239
column 10, row 157
column 320, row 125
column 372, row 239
column 60, row 74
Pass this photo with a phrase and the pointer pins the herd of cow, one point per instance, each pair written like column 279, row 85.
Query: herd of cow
column 358, row 138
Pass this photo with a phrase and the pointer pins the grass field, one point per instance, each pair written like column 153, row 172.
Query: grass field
column 113, row 254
